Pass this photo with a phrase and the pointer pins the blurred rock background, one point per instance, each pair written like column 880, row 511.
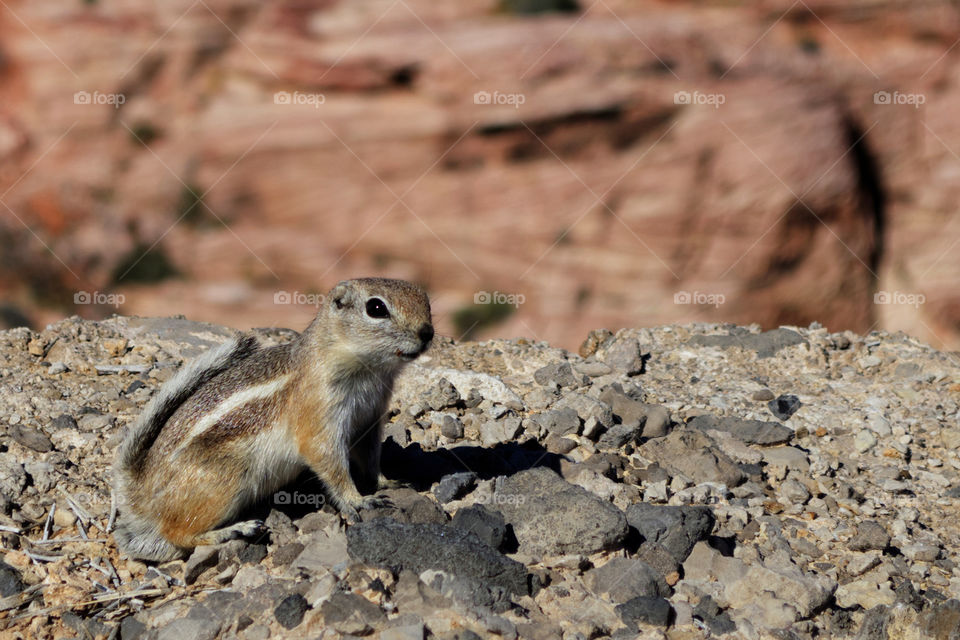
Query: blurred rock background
column 544, row 168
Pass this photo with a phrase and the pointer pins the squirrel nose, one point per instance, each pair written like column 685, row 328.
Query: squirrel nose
column 426, row 333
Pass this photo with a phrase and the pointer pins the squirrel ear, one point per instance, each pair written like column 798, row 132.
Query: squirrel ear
column 338, row 296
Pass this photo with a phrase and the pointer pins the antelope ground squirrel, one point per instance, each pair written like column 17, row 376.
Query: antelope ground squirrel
column 241, row 421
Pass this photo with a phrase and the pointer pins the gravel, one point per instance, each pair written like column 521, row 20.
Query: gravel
column 661, row 478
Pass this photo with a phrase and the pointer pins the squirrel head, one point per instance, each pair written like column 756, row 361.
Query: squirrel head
column 380, row 322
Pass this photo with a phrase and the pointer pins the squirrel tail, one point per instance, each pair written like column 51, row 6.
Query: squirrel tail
column 137, row 535
column 132, row 452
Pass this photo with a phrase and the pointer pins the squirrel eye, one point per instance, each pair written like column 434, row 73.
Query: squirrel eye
column 377, row 308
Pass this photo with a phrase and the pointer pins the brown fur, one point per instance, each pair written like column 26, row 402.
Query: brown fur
column 317, row 402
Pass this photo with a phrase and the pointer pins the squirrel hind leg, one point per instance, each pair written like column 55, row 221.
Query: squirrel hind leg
column 141, row 540
column 246, row 529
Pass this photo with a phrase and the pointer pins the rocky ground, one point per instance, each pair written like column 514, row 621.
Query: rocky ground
column 677, row 482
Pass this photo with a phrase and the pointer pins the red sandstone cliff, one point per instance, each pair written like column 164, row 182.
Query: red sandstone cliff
column 779, row 163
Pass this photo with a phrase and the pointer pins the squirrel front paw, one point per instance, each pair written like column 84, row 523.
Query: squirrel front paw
column 350, row 513
column 351, row 509
column 377, row 502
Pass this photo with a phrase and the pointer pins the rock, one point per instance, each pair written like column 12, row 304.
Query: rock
column 202, row 558
column 861, row 563
column 795, row 492
column 455, row 485
column 31, row 438
column 660, row 558
column 676, row 529
column 587, row 408
column 64, row 421
column 193, row 628
column 864, row 593
column 784, row 406
column 748, row 431
column 870, row 535
column 557, row 374
column 404, row 632
column 875, row 622
column 494, row 432
column 289, row 613
column 540, row 398
column 774, row 594
column 321, row 551
column 623, row 579
column 647, row 610
column 11, row 582
column 656, row 491
column 350, row 613
column 594, row 340
column 559, row 422
column 625, row 408
column 920, row 551
column 95, row 422
column 771, row 566
column 550, row 516
column 486, row 524
column 406, row 505
column 653, row 420
column 762, row 395
column 316, row 521
column 224, row 606
column 766, row 344
column 716, row 619
column 657, row 422
column 418, row 547
column 693, row 455
column 451, row 428
column 442, row 395
column 131, row 628
column 43, row 475
column 785, row 459
column 623, row 355
column 417, row 377
column 287, row 553
column 619, row 435
column 37, row 347
column 558, row 445
column 85, row 627
column 864, row 441
column 879, row 425
column 592, row 369
column 942, row 620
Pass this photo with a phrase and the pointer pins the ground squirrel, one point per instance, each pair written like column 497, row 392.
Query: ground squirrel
column 241, row 421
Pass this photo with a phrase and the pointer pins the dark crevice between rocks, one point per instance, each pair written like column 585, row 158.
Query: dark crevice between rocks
column 725, row 545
